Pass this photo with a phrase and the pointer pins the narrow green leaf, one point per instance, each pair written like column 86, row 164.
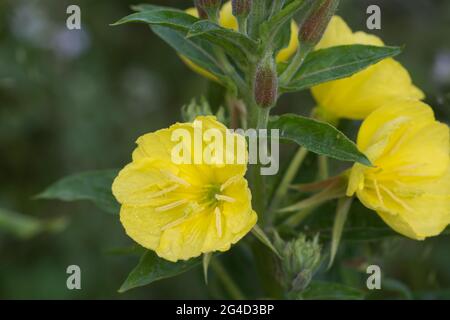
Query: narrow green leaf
column 318, row 137
column 331, row 291
column 94, row 186
column 342, row 211
column 334, row 191
column 196, row 50
column 261, row 236
column 206, row 259
column 336, row 63
column 172, row 18
column 274, row 24
column 235, row 44
column 148, row 7
column 151, row 268
column 172, row 25
column 26, row 226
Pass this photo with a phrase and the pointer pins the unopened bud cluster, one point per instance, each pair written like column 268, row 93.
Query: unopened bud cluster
column 301, row 259
column 241, row 8
column 314, row 27
column 266, row 84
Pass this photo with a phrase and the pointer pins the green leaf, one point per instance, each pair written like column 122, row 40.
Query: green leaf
column 318, row 137
column 25, row 226
column 261, row 236
column 343, row 208
column 336, row 63
column 171, row 18
column 196, row 50
column 148, row 7
column 331, row 291
column 94, row 186
column 173, row 31
column 235, row 44
column 151, row 268
column 274, row 24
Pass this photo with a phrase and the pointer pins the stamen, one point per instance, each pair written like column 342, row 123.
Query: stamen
column 221, row 197
column 229, row 182
column 175, row 178
column 174, row 223
column 399, row 201
column 218, row 221
column 377, row 189
column 171, row 205
column 163, row 192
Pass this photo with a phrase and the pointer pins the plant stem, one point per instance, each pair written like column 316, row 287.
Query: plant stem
column 288, row 177
column 295, row 64
column 259, row 191
column 323, row 168
column 229, row 284
column 263, row 118
column 243, row 25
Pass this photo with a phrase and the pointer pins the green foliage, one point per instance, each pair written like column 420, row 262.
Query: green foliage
column 331, row 291
column 94, row 186
column 336, row 63
column 318, row 137
column 151, row 268
column 25, row 226
column 199, row 41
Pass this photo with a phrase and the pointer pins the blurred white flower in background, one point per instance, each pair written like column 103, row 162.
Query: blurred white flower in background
column 441, row 68
column 31, row 23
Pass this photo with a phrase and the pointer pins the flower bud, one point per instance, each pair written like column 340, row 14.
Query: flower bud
column 208, row 4
column 208, row 9
column 201, row 12
column 266, row 84
column 241, row 8
column 301, row 259
column 314, row 27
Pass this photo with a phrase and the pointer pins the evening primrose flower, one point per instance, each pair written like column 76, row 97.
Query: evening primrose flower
column 357, row 96
column 227, row 20
column 183, row 210
column 409, row 184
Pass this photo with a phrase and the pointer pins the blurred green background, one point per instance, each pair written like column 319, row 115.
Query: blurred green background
column 73, row 101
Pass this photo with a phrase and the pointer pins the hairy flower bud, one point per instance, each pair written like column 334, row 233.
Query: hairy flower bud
column 208, row 4
column 266, row 84
column 313, row 28
column 201, row 12
column 208, row 9
column 301, row 259
column 241, row 8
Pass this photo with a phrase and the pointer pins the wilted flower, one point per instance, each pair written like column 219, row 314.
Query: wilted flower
column 183, row 210
column 357, row 96
column 409, row 185
column 227, row 20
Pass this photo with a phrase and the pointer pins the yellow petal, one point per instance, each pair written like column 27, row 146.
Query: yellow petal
column 143, row 182
column 286, row 53
column 429, row 212
column 409, row 186
column 357, row 96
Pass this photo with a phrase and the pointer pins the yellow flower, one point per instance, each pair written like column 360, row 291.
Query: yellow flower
column 227, row 20
column 357, row 96
column 183, row 210
column 409, row 185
